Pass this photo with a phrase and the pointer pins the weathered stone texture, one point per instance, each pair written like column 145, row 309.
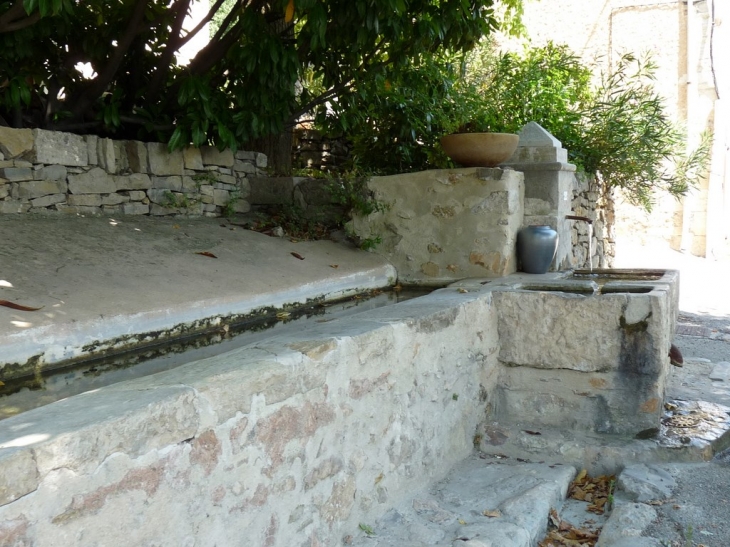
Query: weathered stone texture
column 472, row 215
column 38, row 188
column 162, row 161
column 18, row 475
column 15, row 143
column 212, row 156
column 61, row 148
column 94, row 181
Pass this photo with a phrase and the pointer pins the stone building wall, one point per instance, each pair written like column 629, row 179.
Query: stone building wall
column 45, row 171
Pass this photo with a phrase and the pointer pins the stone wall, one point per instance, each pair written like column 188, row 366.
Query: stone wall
column 591, row 201
column 311, row 150
column 43, row 171
column 293, row 441
column 448, row 224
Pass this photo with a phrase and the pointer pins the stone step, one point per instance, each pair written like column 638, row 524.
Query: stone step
column 481, row 503
column 690, row 431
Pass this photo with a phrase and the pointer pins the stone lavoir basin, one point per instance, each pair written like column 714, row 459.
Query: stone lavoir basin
column 586, row 350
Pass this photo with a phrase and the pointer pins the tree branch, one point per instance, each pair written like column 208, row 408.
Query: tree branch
column 207, row 19
column 102, row 81
column 163, row 64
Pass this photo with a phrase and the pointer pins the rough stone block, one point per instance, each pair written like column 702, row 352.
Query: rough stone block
column 47, row 201
column 192, row 158
column 111, row 209
column 245, row 155
column 96, row 181
column 241, row 206
column 135, row 208
column 37, row 188
column 136, row 152
column 113, row 199
column 168, row 183
column 85, row 200
column 160, row 196
column 212, row 156
column 15, row 174
column 92, row 144
column 15, row 143
column 136, row 195
column 221, row 197
column 135, row 181
column 51, row 172
column 9, row 207
column 244, row 167
column 642, row 483
column 261, row 160
column 4, row 190
column 162, row 161
column 62, row 148
column 106, row 155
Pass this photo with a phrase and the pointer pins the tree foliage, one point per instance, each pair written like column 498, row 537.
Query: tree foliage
column 618, row 128
column 267, row 62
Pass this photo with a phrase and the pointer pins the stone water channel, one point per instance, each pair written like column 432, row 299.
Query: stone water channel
column 63, row 380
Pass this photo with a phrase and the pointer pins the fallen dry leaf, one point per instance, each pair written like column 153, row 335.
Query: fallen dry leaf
column 496, row 513
column 462, row 522
column 297, row 255
column 283, row 315
column 531, row 432
column 206, row 253
column 335, row 266
column 18, row 307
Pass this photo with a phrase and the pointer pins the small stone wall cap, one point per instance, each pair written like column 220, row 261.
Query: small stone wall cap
column 533, row 134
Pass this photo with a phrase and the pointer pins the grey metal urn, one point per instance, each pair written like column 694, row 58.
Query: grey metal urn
column 536, row 247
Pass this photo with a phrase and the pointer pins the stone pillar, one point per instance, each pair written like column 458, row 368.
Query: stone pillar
column 548, row 185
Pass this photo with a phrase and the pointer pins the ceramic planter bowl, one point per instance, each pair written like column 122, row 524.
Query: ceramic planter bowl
column 479, row 149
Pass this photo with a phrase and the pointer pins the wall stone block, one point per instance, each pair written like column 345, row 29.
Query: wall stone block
column 244, row 167
column 168, row 183
column 212, row 156
column 107, row 155
column 11, row 207
column 16, row 143
column 162, row 161
column 47, row 201
column 113, row 199
column 221, row 197
column 85, row 200
column 15, row 174
column 37, row 188
column 92, row 144
column 61, row 148
column 135, row 181
column 192, row 158
column 92, row 182
column 51, row 172
column 136, row 153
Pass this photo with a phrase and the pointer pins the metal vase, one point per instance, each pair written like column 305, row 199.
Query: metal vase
column 536, row 248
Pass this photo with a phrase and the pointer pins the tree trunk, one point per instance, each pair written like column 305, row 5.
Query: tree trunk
column 277, row 148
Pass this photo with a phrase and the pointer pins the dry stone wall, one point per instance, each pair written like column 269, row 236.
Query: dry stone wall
column 590, row 200
column 46, row 171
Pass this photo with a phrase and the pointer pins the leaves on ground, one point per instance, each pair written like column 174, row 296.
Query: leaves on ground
column 206, row 253
column 596, row 492
column 15, row 306
column 496, row 513
column 297, row 255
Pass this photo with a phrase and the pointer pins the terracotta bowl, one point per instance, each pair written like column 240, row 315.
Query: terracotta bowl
column 480, row 149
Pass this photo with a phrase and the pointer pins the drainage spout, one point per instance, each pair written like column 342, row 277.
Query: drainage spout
column 575, row 217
